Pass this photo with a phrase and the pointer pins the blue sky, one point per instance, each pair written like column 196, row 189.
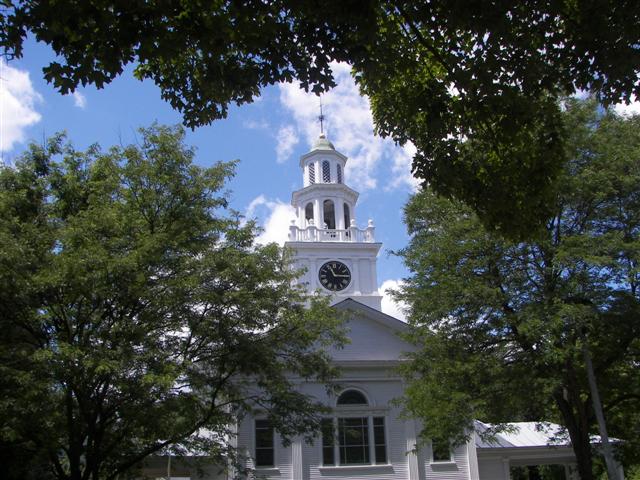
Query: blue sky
column 267, row 137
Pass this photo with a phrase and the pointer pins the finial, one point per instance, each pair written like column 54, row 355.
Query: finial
column 321, row 118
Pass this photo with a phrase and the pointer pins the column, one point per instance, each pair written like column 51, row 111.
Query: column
column 412, row 454
column 472, row 457
column 338, row 205
column 506, row 468
column 318, row 213
column 296, row 459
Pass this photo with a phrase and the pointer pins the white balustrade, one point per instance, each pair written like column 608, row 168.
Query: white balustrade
column 315, row 234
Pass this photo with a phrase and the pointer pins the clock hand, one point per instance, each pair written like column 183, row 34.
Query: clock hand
column 340, row 276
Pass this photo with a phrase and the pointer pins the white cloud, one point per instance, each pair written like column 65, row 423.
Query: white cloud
column 349, row 125
column 628, row 110
column 274, row 216
column 18, row 100
column 79, row 100
column 287, row 139
column 401, row 168
column 256, row 124
column 390, row 306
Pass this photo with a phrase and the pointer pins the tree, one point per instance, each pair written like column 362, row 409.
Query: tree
column 472, row 84
column 503, row 325
column 138, row 316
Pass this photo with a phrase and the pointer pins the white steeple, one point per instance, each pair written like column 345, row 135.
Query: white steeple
column 339, row 258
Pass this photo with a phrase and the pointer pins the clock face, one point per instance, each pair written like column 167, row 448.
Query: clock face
column 334, row 276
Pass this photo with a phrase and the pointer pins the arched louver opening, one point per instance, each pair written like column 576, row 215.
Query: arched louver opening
column 352, row 397
column 329, row 214
column 308, row 212
column 347, row 217
column 339, row 173
column 312, row 173
column 326, row 171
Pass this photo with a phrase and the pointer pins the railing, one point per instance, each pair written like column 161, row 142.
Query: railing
column 315, row 234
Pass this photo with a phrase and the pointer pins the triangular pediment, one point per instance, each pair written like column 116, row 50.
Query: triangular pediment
column 374, row 336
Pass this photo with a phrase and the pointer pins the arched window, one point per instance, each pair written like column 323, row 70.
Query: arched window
column 329, row 214
column 347, row 217
column 351, row 440
column 312, row 173
column 308, row 212
column 339, row 173
column 352, row 397
column 326, row 171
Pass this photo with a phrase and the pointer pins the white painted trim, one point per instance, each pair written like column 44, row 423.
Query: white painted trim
column 392, row 323
column 347, row 249
column 359, row 411
column 357, row 389
column 527, row 453
column 343, row 412
column 323, row 153
column 267, row 470
column 366, row 469
column 354, row 378
column 472, row 458
column 323, row 189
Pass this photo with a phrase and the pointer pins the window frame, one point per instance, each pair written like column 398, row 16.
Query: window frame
column 361, row 411
column 450, row 459
column 255, row 444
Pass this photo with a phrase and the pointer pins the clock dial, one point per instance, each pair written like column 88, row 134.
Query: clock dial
column 334, row 276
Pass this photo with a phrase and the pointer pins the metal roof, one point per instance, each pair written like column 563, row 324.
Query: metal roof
column 522, row 434
column 322, row 143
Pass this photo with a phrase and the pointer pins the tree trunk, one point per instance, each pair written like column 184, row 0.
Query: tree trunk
column 597, row 407
column 578, row 433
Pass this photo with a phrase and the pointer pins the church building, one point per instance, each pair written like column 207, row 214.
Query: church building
column 365, row 437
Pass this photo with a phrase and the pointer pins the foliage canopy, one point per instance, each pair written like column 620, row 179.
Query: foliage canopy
column 137, row 315
column 471, row 83
column 503, row 325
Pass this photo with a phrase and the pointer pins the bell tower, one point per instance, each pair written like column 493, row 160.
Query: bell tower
column 339, row 258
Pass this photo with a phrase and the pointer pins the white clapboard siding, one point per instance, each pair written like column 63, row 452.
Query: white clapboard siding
column 374, row 336
column 457, row 469
column 492, row 468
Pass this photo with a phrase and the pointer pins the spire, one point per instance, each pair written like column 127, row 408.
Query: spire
column 321, row 118
column 322, row 143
